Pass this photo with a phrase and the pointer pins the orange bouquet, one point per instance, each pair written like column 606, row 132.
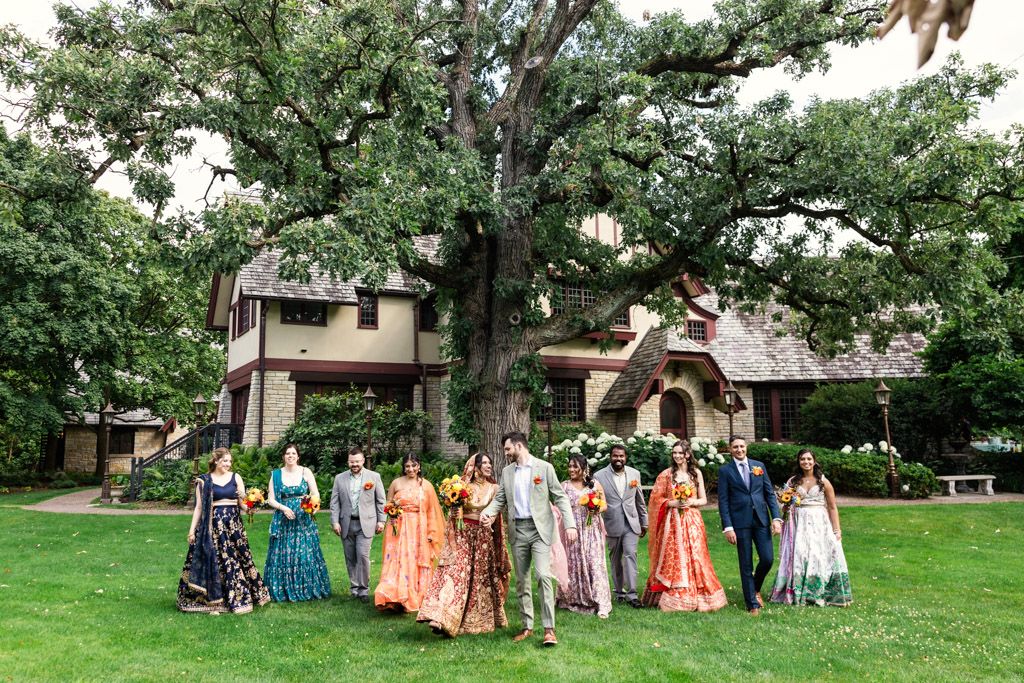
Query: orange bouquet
column 310, row 505
column 393, row 510
column 253, row 499
column 594, row 503
column 683, row 492
column 454, row 494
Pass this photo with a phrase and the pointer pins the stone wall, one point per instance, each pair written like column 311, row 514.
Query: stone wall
column 80, row 448
column 279, row 412
column 437, row 407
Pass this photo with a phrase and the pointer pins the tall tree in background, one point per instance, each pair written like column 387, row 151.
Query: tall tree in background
column 501, row 125
column 88, row 309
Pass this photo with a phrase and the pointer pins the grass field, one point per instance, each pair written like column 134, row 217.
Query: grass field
column 937, row 591
column 33, row 497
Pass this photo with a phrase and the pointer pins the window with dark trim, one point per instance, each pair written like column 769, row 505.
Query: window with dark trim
column 697, row 330
column 245, row 317
column 777, row 411
column 575, row 295
column 303, row 313
column 428, row 314
column 400, row 395
column 567, row 400
column 368, row 311
column 122, row 440
column 239, row 405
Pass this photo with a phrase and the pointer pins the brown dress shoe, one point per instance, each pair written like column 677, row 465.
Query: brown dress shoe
column 754, row 611
column 760, row 600
column 549, row 637
column 522, row 635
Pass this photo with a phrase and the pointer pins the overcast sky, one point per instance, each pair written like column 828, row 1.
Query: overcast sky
column 993, row 36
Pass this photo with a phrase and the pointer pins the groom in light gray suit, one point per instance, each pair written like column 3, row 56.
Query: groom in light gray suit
column 625, row 522
column 357, row 514
column 528, row 487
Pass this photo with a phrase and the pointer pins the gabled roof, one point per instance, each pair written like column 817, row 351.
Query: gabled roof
column 747, row 349
column 132, row 418
column 659, row 345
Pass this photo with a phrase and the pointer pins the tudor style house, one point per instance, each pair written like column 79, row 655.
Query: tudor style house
column 288, row 340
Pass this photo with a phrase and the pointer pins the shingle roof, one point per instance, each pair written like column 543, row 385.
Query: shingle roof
column 134, row 418
column 748, row 350
column 642, row 364
column 259, row 279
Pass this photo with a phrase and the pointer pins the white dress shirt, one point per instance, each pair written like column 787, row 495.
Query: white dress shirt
column 355, row 487
column 524, row 477
column 620, row 482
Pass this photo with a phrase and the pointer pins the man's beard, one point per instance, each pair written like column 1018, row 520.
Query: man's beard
column 618, row 466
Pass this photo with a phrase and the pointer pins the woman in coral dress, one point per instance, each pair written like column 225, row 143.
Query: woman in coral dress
column 682, row 578
column 812, row 565
column 470, row 584
column 412, row 542
column 586, row 591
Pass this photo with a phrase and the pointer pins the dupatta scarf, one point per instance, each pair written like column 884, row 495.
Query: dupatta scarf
column 204, row 574
column 432, row 529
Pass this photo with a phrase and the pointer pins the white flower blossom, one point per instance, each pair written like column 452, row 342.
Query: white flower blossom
column 592, row 461
column 906, row 487
column 582, row 437
column 846, row 449
column 566, row 443
column 631, row 440
column 764, row 440
column 883, row 445
column 577, row 444
column 702, row 463
column 575, row 451
column 861, row 450
column 868, row 447
column 638, row 433
column 591, row 442
column 720, row 458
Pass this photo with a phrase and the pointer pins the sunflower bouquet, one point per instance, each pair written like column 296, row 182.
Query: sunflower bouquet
column 788, row 497
column 453, row 494
column 253, row 499
column 393, row 510
column 594, row 503
column 683, row 491
column 310, row 505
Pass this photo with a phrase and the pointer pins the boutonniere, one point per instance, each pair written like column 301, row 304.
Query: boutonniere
column 633, row 484
column 367, row 486
column 537, row 480
column 756, row 471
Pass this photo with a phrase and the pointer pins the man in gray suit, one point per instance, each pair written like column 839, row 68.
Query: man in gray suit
column 357, row 513
column 528, row 486
column 625, row 522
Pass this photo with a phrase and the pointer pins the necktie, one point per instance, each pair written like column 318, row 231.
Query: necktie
column 745, row 473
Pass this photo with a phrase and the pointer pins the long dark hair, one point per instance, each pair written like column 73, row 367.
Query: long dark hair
column 691, row 462
column 798, row 473
column 478, row 462
column 584, row 466
column 412, row 457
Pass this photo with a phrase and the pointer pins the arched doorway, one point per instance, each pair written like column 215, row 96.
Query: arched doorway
column 673, row 415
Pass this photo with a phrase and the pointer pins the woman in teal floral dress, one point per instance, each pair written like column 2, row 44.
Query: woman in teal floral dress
column 295, row 568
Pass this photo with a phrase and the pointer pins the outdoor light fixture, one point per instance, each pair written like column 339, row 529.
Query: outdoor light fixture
column 882, row 394
column 108, row 417
column 369, row 401
column 731, row 395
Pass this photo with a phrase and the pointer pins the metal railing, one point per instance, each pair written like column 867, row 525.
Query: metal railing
column 184, row 448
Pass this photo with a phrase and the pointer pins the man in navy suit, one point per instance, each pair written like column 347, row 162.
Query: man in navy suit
column 747, row 505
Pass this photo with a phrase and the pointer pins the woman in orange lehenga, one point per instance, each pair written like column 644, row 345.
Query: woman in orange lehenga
column 470, row 584
column 412, row 542
column 682, row 578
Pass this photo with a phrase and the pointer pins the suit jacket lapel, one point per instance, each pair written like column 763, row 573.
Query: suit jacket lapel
column 611, row 489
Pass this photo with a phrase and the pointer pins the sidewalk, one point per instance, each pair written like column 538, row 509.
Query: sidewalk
column 78, row 503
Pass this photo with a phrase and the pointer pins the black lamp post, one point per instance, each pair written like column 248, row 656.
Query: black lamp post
column 882, row 394
column 108, row 417
column 548, row 408
column 199, row 407
column 730, row 402
column 369, row 402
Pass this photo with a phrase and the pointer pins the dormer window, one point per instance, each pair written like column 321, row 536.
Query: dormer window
column 697, row 330
column 302, row 313
column 368, row 311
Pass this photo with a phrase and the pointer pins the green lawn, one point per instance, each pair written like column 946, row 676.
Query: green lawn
column 936, row 589
column 33, row 497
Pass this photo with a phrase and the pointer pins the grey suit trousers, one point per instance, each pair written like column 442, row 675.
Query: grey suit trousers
column 624, row 571
column 357, row 559
column 529, row 545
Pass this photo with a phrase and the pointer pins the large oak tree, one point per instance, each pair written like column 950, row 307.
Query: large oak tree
column 500, row 125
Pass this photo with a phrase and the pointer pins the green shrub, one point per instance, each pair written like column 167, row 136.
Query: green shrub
column 64, row 483
column 860, row 474
column 328, row 425
column 839, row 414
column 167, row 480
column 1008, row 468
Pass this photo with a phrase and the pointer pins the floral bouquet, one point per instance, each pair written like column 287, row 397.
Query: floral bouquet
column 683, row 492
column 594, row 503
column 310, row 505
column 393, row 510
column 253, row 499
column 788, row 497
column 454, row 493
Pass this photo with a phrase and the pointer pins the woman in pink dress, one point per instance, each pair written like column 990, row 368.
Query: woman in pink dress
column 682, row 578
column 412, row 542
column 586, row 590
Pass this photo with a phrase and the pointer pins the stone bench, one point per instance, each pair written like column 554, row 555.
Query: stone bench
column 949, row 482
